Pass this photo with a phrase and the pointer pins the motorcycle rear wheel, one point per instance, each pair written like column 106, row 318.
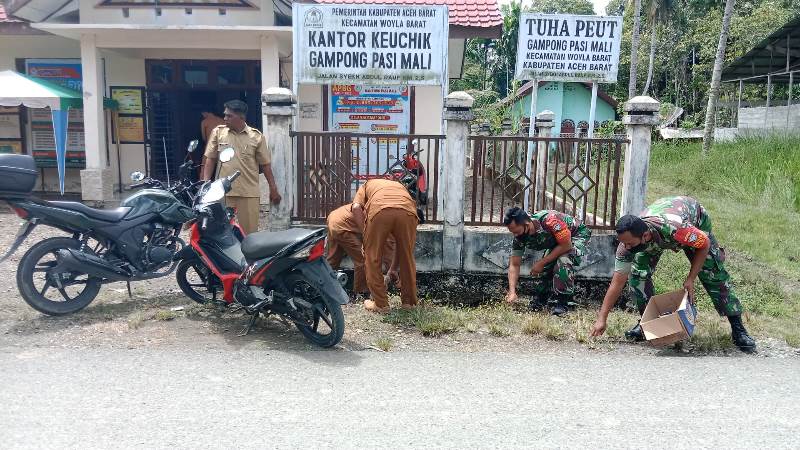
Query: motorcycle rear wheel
column 35, row 266
column 327, row 312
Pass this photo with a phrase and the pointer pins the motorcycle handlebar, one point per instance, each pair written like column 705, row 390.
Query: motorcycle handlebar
column 234, row 176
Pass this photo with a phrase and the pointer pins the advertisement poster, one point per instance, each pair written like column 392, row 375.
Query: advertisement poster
column 67, row 73
column 131, row 130
column 371, row 43
column 128, row 99
column 559, row 47
column 11, row 147
column 9, row 126
column 373, row 110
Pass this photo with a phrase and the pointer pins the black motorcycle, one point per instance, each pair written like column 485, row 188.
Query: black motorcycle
column 137, row 241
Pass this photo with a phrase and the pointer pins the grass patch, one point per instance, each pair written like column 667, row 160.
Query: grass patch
column 136, row 320
column 165, row 315
column 792, row 339
column 385, row 344
column 432, row 321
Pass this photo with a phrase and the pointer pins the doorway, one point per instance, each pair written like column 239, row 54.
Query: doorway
column 178, row 91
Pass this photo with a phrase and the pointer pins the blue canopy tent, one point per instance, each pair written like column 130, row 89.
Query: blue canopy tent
column 17, row 89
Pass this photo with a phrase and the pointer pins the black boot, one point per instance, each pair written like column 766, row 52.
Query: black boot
column 561, row 305
column 635, row 334
column 740, row 336
column 538, row 302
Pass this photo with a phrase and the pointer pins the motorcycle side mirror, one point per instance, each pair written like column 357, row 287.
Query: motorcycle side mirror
column 226, row 155
column 192, row 146
column 137, row 177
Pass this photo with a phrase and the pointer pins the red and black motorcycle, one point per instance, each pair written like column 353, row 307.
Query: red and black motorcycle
column 264, row 273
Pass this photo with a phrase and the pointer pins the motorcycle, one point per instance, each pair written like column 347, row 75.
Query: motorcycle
column 282, row 273
column 136, row 241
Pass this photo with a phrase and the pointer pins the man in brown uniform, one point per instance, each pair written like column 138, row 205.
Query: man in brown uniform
column 250, row 154
column 346, row 237
column 383, row 208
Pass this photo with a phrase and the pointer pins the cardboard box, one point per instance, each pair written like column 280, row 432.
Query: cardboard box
column 668, row 318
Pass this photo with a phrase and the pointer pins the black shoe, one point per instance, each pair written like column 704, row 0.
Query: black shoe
column 561, row 307
column 739, row 335
column 537, row 303
column 635, row 334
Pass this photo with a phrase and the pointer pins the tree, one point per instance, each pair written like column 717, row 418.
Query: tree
column 562, row 7
column 660, row 13
column 637, row 13
column 716, row 76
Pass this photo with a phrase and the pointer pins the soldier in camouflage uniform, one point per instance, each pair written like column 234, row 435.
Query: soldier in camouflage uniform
column 672, row 223
column 563, row 240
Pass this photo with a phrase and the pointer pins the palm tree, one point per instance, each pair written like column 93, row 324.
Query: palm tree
column 713, row 95
column 660, row 12
column 637, row 13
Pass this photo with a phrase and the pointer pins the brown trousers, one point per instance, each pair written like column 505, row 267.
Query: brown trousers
column 403, row 226
column 247, row 210
column 342, row 243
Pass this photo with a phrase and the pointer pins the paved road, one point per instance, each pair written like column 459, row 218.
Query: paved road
column 161, row 398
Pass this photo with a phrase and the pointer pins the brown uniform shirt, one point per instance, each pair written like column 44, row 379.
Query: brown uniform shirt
column 341, row 220
column 250, row 152
column 379, row 194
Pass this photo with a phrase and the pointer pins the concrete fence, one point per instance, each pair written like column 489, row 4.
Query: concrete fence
column 453, row 249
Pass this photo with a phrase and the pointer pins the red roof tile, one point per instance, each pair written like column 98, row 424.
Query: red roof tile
column 466, row 13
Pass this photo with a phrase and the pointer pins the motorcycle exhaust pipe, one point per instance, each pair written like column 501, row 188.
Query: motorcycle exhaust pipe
column 76, row 261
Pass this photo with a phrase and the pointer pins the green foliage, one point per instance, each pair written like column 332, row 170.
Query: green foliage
column 562, row 7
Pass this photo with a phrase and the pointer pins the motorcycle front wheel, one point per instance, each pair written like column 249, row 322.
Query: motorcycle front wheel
column 39, row 285
column 194, row 279
column 325, row 326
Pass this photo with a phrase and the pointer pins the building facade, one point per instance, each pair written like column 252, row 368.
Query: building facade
column 166, row 62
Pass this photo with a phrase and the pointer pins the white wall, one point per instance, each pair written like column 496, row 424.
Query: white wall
column 261, row 16
column 775, row 117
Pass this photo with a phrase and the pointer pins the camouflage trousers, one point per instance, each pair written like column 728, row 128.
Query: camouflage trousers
column 713, row 276
column 558, row 277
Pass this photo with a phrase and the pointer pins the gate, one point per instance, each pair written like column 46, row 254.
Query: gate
column 575, row 175
column 160, row 139
column 331, row 166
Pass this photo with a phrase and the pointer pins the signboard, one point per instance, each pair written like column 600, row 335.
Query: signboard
column 371, row 44
column 129, row 100
column 374, row 110
column 131, row 130
column 560, row 47
column 67, row 73
column 43, row 144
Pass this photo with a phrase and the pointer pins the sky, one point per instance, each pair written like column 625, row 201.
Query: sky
column 599, row 5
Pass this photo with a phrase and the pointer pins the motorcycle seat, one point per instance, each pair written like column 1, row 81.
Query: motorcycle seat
column 264, row 244
column 106, row 215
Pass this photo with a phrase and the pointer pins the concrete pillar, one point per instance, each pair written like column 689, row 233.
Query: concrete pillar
column 270, row 63
column 457, row 114
column 279, row 110
column 641, row 115
column 545, row 121
column 97, row 181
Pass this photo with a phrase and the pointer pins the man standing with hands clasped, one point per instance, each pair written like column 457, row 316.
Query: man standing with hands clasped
column 250, row 156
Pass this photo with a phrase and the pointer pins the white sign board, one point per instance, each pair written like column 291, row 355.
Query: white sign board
column 370, row 44
column 560, row 47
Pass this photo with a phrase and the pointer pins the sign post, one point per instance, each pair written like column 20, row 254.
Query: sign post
column 569, row 48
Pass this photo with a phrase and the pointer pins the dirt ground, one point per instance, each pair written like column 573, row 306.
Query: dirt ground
column 159, row 315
